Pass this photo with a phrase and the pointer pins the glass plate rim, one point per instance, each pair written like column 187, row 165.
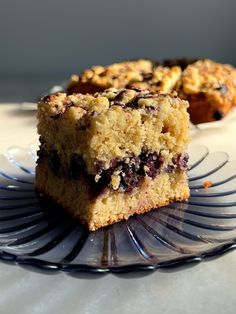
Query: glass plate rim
column 191, row 259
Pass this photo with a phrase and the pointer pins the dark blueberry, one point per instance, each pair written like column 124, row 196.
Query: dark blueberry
column 134, row 88
column 222, row 88
column 128, row 172
column 94, row 113
column 77, row 166
column 129, row 177
column 48, row 97
column 218, row 115
column 119, row 96
column 113, row 163
column 41, row 139
column 57, row 116
column 68, row 103
column 83, row 124
column 151, row 109
column 147, row 76
column 169, row 168
column 181, row 161
column 157, row 84
column 41, row 153
column 147, row 95
column 120, row 104
column 153, row 165
column 42, row 143
column 54, row 161
column 102, row 74
column 97, row 188
column 152, row 161
column 99, row 166
column 133, row 103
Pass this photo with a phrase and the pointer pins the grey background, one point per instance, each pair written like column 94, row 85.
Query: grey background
column 44, row 42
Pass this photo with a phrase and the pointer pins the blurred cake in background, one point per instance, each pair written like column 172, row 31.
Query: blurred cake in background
column 209, row 87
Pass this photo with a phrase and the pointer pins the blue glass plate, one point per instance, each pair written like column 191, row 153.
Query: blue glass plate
column 39, row 233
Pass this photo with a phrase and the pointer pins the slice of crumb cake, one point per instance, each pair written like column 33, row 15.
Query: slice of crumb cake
column 108, row 156
column 142, row 74
column 117, row 75
column 210, row 89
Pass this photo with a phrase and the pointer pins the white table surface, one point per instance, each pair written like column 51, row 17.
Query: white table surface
column 209, row 287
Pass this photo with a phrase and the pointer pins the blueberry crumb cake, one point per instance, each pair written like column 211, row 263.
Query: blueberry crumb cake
column 208, row 86
column 210, row 89
column 142, row 74
column 107, row 156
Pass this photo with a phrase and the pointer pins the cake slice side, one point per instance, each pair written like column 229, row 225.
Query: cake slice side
column 98, row 210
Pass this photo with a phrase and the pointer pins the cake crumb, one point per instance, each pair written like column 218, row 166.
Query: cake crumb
column 207, row 184
column 115, row 181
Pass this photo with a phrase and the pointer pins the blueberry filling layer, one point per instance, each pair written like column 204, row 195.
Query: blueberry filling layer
column 130, row 171
column 127, row 174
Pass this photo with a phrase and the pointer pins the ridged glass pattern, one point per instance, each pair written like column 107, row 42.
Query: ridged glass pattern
column 39, row 233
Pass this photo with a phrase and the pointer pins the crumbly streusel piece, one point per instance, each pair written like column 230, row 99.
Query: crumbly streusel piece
column 161, row 79
column 140, row 74
column 108, row 156
column 117, row 75
column 210, row 88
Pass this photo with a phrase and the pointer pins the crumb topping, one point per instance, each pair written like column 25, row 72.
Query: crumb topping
column 80, row 105
column 141, row 74
column 113, row 124
column 209, row 77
